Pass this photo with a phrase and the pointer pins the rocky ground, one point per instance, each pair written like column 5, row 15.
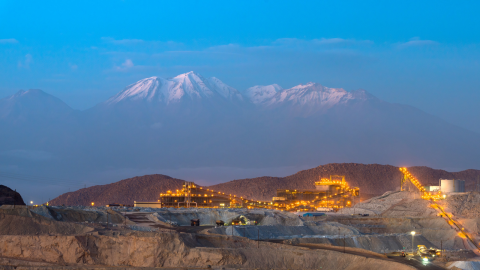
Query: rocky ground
column 9, row 196
column 133, row 238
column 67, row 244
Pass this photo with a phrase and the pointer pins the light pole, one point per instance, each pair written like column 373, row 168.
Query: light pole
column 413, row 234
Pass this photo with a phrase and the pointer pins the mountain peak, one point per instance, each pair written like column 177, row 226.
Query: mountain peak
column 313, row 97
column 190, row 74
column 32, row 102
column 186, row 86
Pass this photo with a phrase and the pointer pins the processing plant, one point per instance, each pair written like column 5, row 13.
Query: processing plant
column 330, row 194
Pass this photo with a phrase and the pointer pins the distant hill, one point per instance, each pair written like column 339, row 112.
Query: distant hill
column 372, row 179
column 140, row 188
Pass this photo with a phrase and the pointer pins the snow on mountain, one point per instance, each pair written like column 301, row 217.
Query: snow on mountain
column 224, row 90
column 143, row 89
column 189, row 85
column 259, row 93
column 315, row 95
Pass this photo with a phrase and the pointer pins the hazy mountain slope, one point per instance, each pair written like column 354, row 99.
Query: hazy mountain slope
column 140, row 188
column 34, row 124
column 370, row 178
column 32, row 105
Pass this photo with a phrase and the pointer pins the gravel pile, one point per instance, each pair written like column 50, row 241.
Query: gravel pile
column 26, row 222
column 466, row 205
column 395, row 204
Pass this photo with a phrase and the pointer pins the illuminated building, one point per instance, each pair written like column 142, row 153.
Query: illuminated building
column 332, row 193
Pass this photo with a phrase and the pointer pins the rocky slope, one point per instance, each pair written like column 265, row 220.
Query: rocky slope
column 9, row 196
column 372, row 179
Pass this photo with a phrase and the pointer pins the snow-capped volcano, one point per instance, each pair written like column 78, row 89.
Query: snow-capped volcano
column 313, row 97
column 190, row 86
column 259, row 93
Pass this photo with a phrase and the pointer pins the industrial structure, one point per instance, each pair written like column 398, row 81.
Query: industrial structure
column 448, row 186
column 330, row 193
column 192, row 195
column 455, row 185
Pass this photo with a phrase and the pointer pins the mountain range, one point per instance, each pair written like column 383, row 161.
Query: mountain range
column 189, row 121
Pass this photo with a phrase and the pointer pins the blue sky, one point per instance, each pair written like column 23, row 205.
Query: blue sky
column 422, row 54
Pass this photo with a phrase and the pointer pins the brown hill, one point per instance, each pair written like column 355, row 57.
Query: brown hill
column 372, row 179
column 140, row 188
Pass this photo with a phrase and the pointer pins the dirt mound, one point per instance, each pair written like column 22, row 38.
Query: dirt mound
column 413, row 208
column 394, row 204
column 465, row 205
column 140, row 188
column 9, row 196
column 21, row 221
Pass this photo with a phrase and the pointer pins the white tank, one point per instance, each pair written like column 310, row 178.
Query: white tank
column 447, row 185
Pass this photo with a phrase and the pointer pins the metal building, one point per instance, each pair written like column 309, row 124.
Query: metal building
column 452, row 185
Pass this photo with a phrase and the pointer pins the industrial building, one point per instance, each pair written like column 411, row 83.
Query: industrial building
column 454, row 185
column 331, row 194
column 192, row 195
column 447, row 186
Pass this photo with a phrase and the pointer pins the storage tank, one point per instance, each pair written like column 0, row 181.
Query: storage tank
column 459, row 186
column 447, row 185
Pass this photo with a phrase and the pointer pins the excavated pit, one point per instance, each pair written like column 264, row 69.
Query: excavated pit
column 79, row 236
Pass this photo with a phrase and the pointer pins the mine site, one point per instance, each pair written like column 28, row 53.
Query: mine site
column 239, row 135
column 331, row 225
